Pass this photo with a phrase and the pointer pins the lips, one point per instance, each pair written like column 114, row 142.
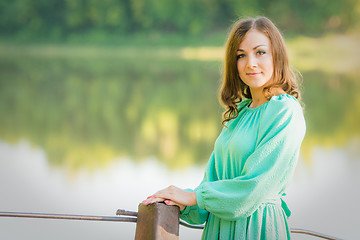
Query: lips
column 252, row 74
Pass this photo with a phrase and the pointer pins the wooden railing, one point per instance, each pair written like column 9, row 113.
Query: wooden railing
column 153, row 222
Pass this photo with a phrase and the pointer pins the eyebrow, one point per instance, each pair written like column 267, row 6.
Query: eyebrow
column 241, row 50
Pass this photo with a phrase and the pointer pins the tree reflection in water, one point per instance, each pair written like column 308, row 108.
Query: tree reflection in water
column 86, row 112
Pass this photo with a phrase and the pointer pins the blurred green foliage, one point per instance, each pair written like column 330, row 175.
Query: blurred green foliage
column 86, row 105
column 67, row 20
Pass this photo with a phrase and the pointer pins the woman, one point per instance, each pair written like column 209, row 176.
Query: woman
column 256, row 153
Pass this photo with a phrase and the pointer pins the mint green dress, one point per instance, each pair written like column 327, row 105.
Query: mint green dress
column 240, row 196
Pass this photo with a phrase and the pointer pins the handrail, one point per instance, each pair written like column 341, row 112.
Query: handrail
column 185, row 224
column 133, row 218
column 312, row 233
column 67, row 216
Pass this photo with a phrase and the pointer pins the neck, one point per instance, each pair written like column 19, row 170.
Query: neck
column 258, row 98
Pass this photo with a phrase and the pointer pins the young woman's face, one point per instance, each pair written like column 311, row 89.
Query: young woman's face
column 255, row 61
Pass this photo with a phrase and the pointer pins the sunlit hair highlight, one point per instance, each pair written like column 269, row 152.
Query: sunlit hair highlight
column 233, row 89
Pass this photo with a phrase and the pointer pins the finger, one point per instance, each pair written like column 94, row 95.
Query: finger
column 153, row 200
column 172, row 203
column 166, row 194
column 150, row 197
column 169, row 202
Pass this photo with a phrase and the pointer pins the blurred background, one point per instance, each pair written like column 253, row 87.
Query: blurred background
column 102, row 103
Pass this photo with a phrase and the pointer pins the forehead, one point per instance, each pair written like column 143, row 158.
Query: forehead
column 254, row 38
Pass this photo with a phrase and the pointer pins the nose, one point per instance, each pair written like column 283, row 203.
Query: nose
column 252, row 62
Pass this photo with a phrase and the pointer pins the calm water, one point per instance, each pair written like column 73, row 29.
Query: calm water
column 91, row 135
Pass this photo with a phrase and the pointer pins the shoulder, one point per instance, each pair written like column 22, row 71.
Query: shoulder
column 283, row 104
column 283, row 113
column 283, row 110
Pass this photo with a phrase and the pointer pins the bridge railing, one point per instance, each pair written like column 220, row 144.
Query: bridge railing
column 153, row 222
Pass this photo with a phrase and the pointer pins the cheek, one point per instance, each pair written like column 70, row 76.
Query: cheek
column 240, row 67
column 268, row 65
column 271, row 70
column 271, row 67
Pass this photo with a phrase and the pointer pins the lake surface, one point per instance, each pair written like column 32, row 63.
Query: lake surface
column 88, row 135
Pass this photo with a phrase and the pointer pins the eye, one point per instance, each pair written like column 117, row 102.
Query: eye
column 240, row 56
column 261, row 52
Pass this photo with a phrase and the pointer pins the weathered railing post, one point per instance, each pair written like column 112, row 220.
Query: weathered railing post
column 157, row 221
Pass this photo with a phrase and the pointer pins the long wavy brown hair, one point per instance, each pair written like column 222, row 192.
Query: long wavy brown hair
column 233, row 89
